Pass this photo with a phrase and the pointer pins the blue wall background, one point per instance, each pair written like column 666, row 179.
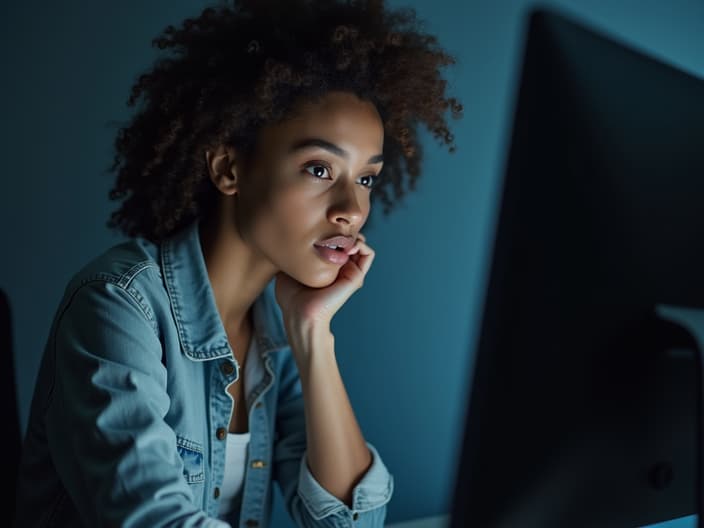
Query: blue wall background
column 404, row 340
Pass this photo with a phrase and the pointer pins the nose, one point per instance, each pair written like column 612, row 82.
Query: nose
column 348, row 208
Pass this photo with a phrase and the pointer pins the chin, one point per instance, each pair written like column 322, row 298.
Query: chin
column 322, row 278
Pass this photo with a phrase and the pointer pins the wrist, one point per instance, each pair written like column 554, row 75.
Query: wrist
column 307, row 330
column 308, row 338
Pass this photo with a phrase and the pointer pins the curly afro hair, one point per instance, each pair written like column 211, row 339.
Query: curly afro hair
column 236, row 68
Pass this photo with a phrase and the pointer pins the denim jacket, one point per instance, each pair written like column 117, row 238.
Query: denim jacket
column 130, row 412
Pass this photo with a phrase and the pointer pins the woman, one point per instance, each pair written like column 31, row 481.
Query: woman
column 191, row 366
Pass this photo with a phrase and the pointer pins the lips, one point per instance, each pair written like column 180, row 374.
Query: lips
column 346, row 243
column 332, row 255
column 342, row 245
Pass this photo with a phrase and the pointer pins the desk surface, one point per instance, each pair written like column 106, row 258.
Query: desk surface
column 439, row 521
column 442, row 521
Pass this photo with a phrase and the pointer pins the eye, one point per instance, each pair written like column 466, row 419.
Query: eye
column 319, row 170
column 372, row 179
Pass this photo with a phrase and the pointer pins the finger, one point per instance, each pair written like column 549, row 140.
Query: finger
column 355, row 248
column 364, row 257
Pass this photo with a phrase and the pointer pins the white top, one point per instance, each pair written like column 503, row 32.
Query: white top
column 236, row 449
column 235, row 464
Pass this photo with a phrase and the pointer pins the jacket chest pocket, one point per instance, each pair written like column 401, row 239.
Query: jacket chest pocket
column 192, row 455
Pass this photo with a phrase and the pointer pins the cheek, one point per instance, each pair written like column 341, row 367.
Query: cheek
column 288, row 222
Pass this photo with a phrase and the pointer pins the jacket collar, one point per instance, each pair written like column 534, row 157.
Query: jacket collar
column 200, row 327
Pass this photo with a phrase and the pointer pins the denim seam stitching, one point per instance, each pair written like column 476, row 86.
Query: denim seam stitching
column 173, row 296
column 188, row 444
column 127, row 277
column 214, row 352
column 325, row 512
column 197, row 448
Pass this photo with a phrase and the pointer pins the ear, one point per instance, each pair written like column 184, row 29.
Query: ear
column 222, row 169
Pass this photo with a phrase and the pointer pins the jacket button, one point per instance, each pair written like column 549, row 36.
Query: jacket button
column 216, row 492
column 251, row 522
column 227, row 368
column 355, row 516
column 221, row 434
column 258, row 404
column 257, row 464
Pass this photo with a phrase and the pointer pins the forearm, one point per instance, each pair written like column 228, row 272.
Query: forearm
column 337, row 454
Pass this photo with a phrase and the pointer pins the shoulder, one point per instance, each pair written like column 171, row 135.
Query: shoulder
column 120, row 264
column 129, row 272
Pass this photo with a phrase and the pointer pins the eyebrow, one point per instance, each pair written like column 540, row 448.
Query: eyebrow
column 331, row 147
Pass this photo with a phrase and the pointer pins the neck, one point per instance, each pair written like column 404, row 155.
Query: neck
column 237, row 274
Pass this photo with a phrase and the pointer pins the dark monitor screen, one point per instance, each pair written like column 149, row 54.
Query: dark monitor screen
column 583, row 404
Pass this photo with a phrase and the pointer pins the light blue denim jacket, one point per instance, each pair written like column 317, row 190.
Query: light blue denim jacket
column 127, row 419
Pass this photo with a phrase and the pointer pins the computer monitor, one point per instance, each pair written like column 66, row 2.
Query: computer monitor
column 584, row 393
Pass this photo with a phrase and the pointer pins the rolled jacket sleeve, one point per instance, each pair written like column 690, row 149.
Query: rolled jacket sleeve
column 115, row 454
column 370, row 494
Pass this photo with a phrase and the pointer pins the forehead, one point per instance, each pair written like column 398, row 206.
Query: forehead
column 340, row 118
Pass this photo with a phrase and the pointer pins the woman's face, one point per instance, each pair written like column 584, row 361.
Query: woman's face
column 309, row 180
